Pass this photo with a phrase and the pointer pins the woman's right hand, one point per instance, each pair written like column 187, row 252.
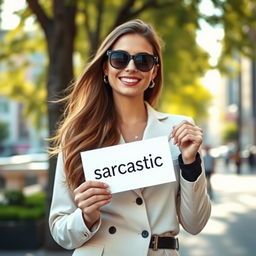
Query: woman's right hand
column 90, row 196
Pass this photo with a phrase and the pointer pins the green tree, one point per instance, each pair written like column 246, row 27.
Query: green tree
column 238, row 20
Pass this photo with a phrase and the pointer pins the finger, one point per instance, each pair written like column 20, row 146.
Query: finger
column 187, row 126
column 185, row 132
column 187, row 129
column 95, row 207
column 90, row 184
column 93, row 200
column 90, row 193
column 96, row 191
column 196, row 139
column 179, row 126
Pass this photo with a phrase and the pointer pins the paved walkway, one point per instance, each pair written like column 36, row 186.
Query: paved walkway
column 232, row 227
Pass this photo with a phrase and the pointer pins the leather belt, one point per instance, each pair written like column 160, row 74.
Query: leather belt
column 157, row 242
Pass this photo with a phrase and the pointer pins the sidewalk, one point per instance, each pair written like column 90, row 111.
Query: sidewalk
column 232, row 226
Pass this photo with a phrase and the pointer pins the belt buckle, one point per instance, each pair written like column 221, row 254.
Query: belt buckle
column 155, row 242
column 177, row 244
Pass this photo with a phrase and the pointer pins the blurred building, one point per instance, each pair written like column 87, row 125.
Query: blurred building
column 234, row 101
column 22, row 137
column 240, row 94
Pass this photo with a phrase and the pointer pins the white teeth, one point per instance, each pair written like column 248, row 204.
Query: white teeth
column 129, row 80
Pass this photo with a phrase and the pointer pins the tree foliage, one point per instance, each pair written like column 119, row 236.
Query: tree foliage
column 21, row 56
column 3, row 131
column 175, row 20
column 229, row 133
column 238, row 20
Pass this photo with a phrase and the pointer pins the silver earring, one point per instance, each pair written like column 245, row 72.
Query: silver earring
column 105, row 79
column 152, row 84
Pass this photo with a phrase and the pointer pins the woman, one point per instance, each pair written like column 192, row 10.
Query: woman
column 112, row 103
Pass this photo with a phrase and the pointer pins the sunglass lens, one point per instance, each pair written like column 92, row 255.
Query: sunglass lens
column 119, row 60
column 144, row 62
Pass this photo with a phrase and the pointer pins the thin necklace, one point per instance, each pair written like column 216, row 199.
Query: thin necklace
column 131, row 137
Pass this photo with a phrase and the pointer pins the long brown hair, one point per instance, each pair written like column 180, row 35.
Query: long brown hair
column 89, row 120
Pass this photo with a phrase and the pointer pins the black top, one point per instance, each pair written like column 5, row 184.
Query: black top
column 191, row 172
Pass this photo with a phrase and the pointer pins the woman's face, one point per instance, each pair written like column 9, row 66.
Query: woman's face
column 130, row 81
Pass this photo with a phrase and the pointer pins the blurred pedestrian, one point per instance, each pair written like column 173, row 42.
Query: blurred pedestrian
column 252, row 158
column 237, row 161
column 228, row 157
column 209, row 165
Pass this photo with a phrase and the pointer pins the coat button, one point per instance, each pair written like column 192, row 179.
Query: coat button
column 145, row 234
column 139, row 201
column 112, row 230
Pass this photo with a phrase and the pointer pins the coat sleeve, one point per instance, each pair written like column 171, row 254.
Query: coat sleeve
column 194, row 207
column 65, row 218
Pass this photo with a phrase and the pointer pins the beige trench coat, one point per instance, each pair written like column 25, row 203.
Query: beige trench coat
column 128, row 222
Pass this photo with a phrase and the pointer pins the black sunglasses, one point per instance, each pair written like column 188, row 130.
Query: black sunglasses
column 143, row 61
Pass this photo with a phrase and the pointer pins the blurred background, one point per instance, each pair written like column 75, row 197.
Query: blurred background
column 209, row 50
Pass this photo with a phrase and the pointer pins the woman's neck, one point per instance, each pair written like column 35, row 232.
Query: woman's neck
column 131, row 111
column 132, row 118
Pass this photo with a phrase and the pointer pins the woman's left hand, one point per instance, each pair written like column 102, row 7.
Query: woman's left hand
column 188, row 137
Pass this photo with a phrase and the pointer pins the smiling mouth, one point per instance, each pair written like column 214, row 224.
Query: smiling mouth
column 129, row 81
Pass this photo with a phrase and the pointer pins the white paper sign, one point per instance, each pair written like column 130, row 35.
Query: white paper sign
column 130, row 166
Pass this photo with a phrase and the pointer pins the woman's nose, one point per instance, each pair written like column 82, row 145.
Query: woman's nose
column 131, row 66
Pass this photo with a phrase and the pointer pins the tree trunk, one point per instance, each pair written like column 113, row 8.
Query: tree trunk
column 60, row 41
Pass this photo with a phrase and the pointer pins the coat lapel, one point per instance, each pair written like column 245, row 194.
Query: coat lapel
column 155, row 127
